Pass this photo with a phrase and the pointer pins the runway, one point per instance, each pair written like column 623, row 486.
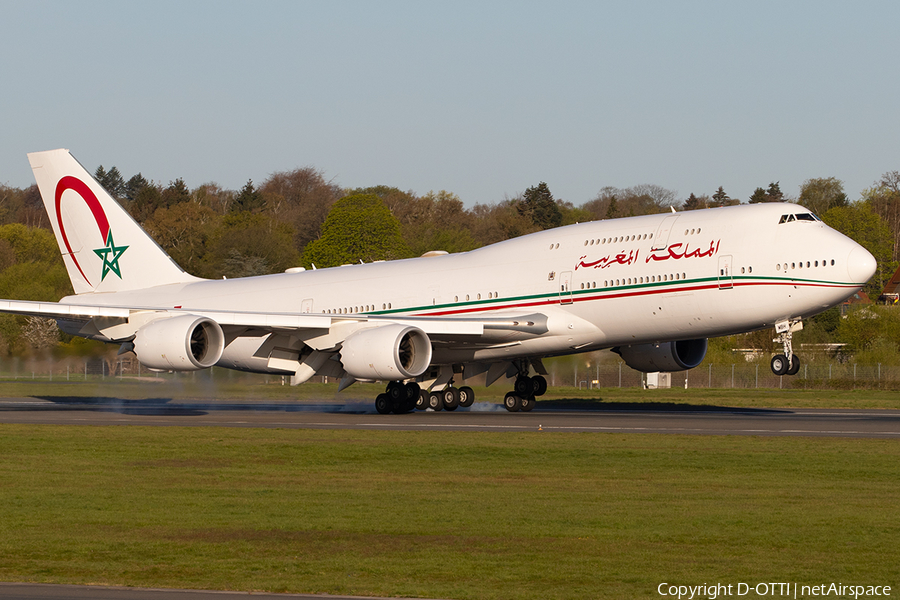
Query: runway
column 557, row 417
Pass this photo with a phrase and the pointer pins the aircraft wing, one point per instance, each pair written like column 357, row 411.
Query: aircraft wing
column 119, row 316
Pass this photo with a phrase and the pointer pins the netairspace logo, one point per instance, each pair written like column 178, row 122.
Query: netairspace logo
column 780, row 589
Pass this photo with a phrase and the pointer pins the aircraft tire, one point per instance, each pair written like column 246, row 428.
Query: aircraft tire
column 422, row 400
column 451, row 398
column 540, row 385
column 524, row 387
column 795, row 365
column 435, row 402
column 512, row 402
column 383, row 404
column 466, row 396
column 779, row 364
column 528, row 404
column 396, row 390
column 412, row 390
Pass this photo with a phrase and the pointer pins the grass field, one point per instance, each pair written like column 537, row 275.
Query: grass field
column 442, row 514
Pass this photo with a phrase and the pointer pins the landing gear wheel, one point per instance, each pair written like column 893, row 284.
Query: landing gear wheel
column 524, row 387
column 780, row 364
column 383, row 404
column 396, row 391
column 528, row 404
column 466, row 396
column 795, row 365
column 435, row 402
column 422, row 400
column 540, row 385
column 451, row 398
column 512, row 402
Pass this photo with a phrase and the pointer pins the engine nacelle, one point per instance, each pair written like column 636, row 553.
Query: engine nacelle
column 386, row 353
column 185, row 343
column 666, row 357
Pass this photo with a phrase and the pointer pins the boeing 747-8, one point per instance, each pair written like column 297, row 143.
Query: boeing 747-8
column 651, row 288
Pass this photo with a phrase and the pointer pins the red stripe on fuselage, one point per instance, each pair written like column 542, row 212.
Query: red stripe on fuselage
column 625, row 294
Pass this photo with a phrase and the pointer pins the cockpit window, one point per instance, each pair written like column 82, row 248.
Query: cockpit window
column 798, row 217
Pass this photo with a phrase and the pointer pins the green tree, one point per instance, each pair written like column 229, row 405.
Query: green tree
column 720, row 198
column 758, row 195
column 111, row 181
column 695, row 203
column 538, row 205
column 358, row 228
column 301, row 198
column 612, row 208
column 248, row 200
column 134, row 185
column 245, row 244
column 435, row 221
column 872, row 334
column 859, row 223
column 176, row 193
column 184, row 231
column 32, row 270
column 822, row 193
column 147, row 201
column 884, row 200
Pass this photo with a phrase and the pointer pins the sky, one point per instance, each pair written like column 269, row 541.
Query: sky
column 483, row 99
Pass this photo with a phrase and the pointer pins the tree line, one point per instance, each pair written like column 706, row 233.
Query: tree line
column 302, row 218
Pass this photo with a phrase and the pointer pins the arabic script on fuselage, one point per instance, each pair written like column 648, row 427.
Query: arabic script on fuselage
column 607, row 261
column 680, row 250
column 672, row 252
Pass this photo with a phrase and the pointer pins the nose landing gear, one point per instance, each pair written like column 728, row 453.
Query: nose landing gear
column 787, row 363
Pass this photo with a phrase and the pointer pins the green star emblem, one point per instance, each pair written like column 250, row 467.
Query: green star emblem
column 111, row 255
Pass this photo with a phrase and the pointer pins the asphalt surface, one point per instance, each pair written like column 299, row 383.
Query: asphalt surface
column 600, row 417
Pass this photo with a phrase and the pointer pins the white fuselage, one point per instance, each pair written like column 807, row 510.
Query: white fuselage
column 600, row 284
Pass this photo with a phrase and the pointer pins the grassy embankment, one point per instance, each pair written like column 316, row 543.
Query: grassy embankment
column 442, row 514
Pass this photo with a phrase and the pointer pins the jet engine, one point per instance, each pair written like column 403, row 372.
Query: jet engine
column 185, row 343
column 386, row 353
column 666, row 356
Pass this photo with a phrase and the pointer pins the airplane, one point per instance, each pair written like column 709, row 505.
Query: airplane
column 651, row 288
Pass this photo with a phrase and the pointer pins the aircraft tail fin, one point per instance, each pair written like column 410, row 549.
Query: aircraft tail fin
column 103, row 248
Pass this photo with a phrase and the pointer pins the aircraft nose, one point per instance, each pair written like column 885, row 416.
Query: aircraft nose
column 861, row 265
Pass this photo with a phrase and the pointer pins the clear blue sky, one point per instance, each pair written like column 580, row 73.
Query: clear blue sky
column 483, row 99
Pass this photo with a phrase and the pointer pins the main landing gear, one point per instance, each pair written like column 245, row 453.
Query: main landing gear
column 523, row 396
column 787, row 363
column 402, row 398
column 398, row 398
column 449, row 398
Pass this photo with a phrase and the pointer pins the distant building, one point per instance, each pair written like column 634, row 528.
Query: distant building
column 891, row 293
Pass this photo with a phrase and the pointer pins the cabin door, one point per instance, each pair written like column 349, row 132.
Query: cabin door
column 565, row 287
column 726, row 282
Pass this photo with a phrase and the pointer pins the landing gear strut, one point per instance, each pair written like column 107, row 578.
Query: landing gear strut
column 787, row 363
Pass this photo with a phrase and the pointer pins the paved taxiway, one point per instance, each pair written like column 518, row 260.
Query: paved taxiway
column 604, row 417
